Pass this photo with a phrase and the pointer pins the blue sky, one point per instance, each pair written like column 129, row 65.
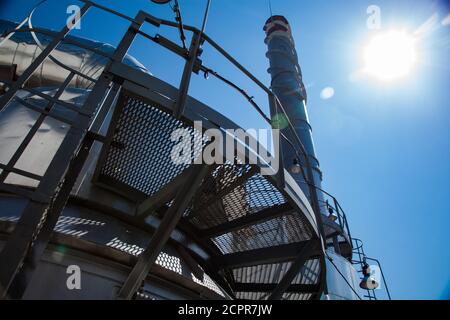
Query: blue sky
column 384, row 148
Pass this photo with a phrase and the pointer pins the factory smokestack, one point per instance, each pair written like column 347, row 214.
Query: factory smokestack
column 287, row 85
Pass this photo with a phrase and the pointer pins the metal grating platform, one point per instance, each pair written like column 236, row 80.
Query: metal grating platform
column 140, row 152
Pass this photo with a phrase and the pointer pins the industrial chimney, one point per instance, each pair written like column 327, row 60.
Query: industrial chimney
column 288, row 86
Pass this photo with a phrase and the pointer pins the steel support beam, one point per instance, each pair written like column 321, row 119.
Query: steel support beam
column 276, row 254
column 248, row 220
column 163, row 196
column 294, row 269
column 190, row 261
column 323, row 289
column 162, row 234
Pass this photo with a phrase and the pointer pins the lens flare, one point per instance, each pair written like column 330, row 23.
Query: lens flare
column 390, row 56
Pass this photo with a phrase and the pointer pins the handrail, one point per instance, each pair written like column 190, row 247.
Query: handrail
column 358, row 249
column 342, row 217
column 382, row 275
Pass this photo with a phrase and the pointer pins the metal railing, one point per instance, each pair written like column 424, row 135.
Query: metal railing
column 361, row 260
column 331, row 206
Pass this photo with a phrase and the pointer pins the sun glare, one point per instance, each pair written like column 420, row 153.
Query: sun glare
column 390, row 56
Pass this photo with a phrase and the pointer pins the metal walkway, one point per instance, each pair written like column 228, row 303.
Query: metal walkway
column 262, row 236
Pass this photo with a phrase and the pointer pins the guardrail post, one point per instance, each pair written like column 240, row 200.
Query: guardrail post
column 187, row 73
column 336, row 206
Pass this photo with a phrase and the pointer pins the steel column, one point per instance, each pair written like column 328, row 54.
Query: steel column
column 167, row 193
column 162, row 234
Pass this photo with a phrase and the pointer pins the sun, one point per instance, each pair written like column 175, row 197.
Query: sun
column 390, row 56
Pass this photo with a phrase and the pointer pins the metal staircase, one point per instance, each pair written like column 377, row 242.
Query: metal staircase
column 262, row 238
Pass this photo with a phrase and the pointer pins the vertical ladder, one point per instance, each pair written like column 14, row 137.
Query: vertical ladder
column 26, row 244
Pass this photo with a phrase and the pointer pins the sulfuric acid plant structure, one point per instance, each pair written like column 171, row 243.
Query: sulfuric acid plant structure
column 88, row 185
